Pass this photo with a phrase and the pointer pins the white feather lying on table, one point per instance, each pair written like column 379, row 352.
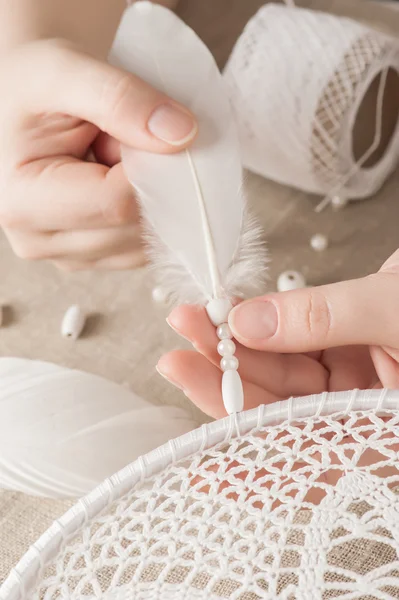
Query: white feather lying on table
column 205, row 247
column 62, row 432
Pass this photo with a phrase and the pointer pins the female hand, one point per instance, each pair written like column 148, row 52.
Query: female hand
column 60, row 105
column 330, row 338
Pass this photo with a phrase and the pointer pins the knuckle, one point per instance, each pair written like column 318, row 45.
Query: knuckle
column 318, row 316
column 118, row 211
column 27, row 251
column 115, row 95
column 55, row 49
column 49, row 53
column 25, row 247
column 9, row 218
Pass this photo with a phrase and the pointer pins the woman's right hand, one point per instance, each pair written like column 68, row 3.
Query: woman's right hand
column 59, row 105
column 335, row 337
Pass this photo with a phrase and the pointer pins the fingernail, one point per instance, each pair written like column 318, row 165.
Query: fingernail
column 169, row 379
column 172, row 125
column 254, row 320
column 176, row 329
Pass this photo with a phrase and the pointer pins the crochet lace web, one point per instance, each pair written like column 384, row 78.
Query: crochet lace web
column 303, row 510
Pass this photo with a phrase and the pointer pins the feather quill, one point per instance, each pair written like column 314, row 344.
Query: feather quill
column 202, row 241
column 204, row 245
column 62, row 432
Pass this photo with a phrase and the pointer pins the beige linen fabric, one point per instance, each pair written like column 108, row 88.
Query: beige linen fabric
column 126, row 333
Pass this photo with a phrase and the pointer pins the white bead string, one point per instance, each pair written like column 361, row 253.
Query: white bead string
column 226, row 348
column 232, row 390
column 218, row 311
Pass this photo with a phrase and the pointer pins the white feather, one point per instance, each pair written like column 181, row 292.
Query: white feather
column 62, row 432
column 201, row 240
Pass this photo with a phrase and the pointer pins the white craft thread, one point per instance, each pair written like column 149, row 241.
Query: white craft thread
column 108, row 482
column 230, row 428
column 322, row 403
column 204, row 438
column 306, row 139
column 83, row 504
column 22, row 585
column 290, row 409
column 142, row 467
column 172, row 449
column 237, row 425
column 259, row 421
column 352, row 400
column 39, row 556
column 381, row 399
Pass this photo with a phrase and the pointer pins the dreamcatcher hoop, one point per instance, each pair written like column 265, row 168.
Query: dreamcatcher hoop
column 23, row 578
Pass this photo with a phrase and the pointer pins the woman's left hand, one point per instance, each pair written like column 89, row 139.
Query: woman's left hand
column 330, row 338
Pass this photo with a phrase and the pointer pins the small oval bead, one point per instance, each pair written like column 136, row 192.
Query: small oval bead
column 229, row 363
column 232, row 392
column 73, row 322
column 224, row 332
column 226, row 348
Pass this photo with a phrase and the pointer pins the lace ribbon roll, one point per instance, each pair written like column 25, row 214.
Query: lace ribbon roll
column 317, row 101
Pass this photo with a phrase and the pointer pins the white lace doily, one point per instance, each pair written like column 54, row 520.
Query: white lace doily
column 302, row 505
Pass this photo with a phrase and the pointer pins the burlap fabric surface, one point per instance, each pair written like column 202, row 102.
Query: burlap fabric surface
column 126, row 334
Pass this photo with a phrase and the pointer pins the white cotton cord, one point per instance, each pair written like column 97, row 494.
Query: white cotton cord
column 322, row 403
column 379, row 407
column 306, row 140
column 289, row 3
column 237, row 425
column 352, row 399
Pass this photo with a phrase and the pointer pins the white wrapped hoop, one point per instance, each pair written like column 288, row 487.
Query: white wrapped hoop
column 47, row 547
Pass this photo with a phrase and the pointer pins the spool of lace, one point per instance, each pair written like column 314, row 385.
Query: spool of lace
column 317, row 101
column 301, row 502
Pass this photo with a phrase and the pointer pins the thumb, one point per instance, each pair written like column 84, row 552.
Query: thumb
column 117, row 102
column 354, row 312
